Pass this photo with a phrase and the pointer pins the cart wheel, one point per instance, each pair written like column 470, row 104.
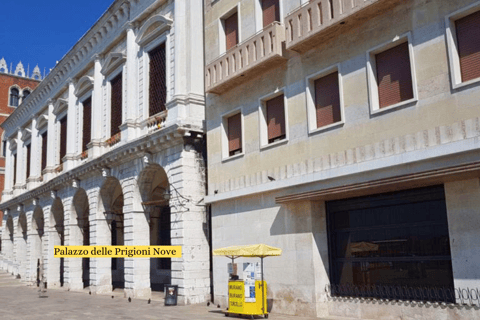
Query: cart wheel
column 266, row 316
column 226, row 314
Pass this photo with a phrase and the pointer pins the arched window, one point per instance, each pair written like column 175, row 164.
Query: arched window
column 14, row 96
column 26, row 93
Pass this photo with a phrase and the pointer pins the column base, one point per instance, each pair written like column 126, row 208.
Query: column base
column 75, row 286
column 141, row 293
column 101, row 289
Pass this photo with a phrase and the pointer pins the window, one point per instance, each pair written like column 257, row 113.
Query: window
column 158, row 85
column 87, row 123
column 398, row 240
column 14, row 168
column 327, row 100
column 271, row 11
column 14, row 97
column 231, row 31
column 391, row 75
column 44, row 149
column 275, row 109
column 463, row 40
column 4, row 148
column 116, row 105
column 29, row 155
column 234, row 128
column 26, row 93
column 394, row 76
column 63, row 138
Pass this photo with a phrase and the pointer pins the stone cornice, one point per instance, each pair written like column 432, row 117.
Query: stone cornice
column 152, row 143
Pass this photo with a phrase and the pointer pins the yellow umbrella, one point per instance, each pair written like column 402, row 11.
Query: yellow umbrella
column 255, row 250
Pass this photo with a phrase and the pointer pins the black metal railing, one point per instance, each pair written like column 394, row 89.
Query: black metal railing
column 448, row 295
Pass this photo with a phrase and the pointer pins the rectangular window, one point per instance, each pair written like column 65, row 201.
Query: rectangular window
column 44, row 149
column 234, row 134
column 394, row 76
column 29, row 155
column 327, row 100
column 14, row 169
column 275, row 118
column 231, row 31
column 468, row 44
column 389, row 244
column 116, row 105
column 271, row 11
column 63, row 138
column 158, row 78
column 87, row 123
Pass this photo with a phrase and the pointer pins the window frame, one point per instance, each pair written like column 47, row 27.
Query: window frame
column 259, row 14
column 222, row 37
column 262, row 117
column 108, row 87
column 224, row 128
column 88, row 94
column 372, row 80
column 310, row 97
column 10, row 95
column 452, row 47
column 164, row 38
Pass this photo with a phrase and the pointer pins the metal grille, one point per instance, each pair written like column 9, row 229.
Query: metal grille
column 394, row 76
column 87, row 123
column 44, row 149
column 235, row 134
column 327, row 100
column 14, row 169
column 116, row 107
column 231, row 31
column 158, row 85
column 468, row 42
column 29, row 154
column 63, row 138
column 276, row 118
column 271, row 12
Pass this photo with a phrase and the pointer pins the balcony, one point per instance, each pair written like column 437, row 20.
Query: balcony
column 247, row 59
column 321, row 19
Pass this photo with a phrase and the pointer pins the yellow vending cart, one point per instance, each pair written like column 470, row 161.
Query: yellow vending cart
column 243, row 297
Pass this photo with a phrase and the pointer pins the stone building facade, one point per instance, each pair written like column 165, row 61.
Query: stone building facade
column 108, row 150
column 347, row 134
column 15, row 86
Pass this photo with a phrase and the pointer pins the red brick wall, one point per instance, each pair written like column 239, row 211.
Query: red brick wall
column 6, row 81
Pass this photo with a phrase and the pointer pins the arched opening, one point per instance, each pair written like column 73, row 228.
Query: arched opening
column 111, row 202
column 154, row 190
column 14, row 97
column 57, row 224
column 82, row 233
column 36, row 254
column 21, row 237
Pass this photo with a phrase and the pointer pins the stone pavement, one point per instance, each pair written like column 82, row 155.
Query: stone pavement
column 18, row 301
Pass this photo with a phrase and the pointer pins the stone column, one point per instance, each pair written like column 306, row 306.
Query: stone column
column 129, row 113
column 20, row 157
column 31, row 262
column 35, row 154
column 97, row 108
column 100, row 235
column 50, row 169
column 51, row 238
column 8, row 169
column 136, row 233
column 463, row 212
column 21, row 250
column 71, row 127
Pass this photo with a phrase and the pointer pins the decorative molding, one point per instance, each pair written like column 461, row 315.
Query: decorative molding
column 153, row 28
column 114, row 60
column 83, row 86
column 60, row 105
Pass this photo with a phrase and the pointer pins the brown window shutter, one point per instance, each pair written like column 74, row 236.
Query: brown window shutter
column 394, row 76
column 63, row 138
column 271, row 11
column 235, row 134
column 231, row 30
column 468, row 42
column 29, row 154
column 87, row 123
column 158, row 80
column 116, row 105
column 275, row 118
column 44, row 149
column 327, row 100
column 14, row 169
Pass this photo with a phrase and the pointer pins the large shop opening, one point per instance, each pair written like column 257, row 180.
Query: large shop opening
column 392, row 245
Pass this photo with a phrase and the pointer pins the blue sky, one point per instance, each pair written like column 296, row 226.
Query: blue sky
column 42, row 32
